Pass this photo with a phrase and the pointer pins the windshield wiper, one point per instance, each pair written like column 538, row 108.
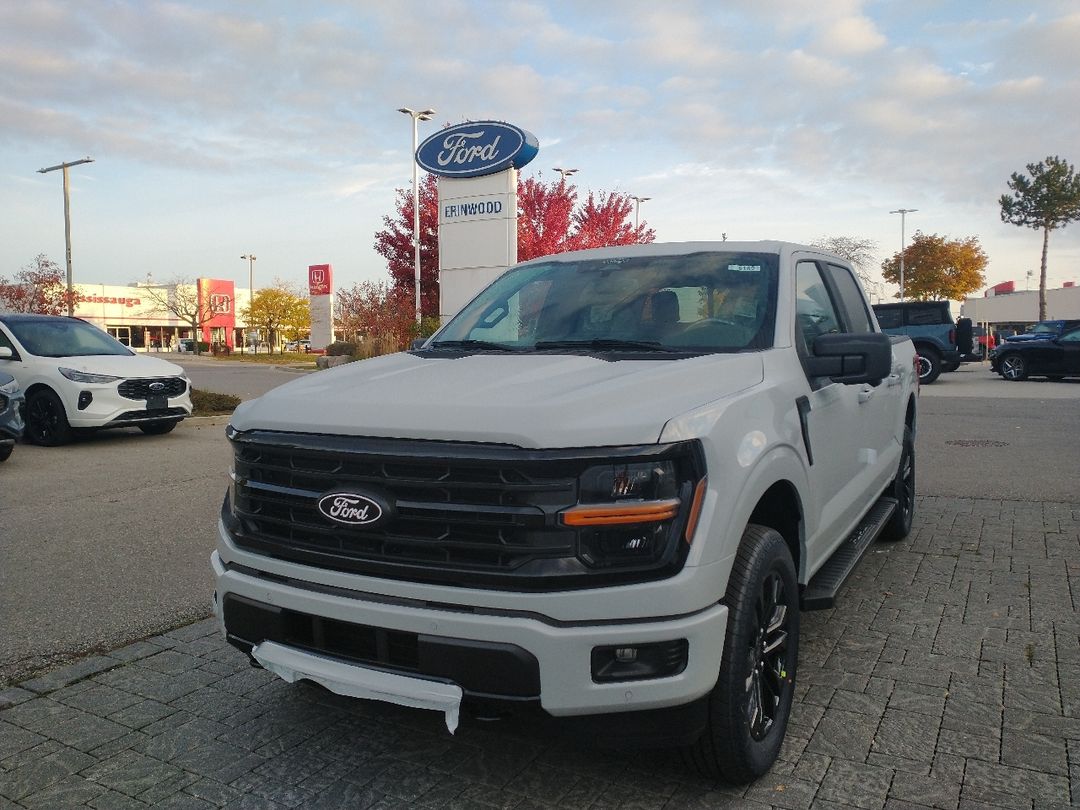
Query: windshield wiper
column 604, row 344
column 482, row 345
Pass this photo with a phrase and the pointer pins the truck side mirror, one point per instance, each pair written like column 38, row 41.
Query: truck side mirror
column 6, row 353
column 851, row 358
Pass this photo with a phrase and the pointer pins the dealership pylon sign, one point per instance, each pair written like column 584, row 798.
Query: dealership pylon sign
column 477, row 165
column 321, row 296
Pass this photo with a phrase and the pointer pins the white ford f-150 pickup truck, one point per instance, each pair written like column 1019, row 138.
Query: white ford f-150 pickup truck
column 601, row 495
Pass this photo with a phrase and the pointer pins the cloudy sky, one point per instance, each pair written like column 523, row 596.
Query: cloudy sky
column 271, row 127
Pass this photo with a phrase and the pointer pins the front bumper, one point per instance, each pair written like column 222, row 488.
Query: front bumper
column 108, row 409
column 492, row 651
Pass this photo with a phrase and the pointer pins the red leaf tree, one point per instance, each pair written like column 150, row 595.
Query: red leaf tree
column 39, row 287
column 375, row 312
column 549, row 221
column 394, row 243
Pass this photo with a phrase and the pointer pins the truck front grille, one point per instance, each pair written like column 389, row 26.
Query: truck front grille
column 461, row 514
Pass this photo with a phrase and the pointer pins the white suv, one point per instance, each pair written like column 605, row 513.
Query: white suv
column 77, row 376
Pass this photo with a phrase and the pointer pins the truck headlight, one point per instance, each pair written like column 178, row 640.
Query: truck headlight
column 86, row 377
column 633, row 512
column 11, row 388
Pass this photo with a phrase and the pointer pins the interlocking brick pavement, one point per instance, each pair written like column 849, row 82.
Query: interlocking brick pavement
column 948, row 676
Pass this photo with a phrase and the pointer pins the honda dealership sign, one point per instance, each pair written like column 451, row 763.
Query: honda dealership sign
column 477, row 167
column 321, row 296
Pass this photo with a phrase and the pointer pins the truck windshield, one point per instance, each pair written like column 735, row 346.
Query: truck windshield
column 710, row 301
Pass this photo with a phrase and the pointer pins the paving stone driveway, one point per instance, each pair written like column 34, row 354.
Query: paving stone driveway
column 948, row 676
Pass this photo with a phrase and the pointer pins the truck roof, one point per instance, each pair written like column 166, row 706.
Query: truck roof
column 676, row 248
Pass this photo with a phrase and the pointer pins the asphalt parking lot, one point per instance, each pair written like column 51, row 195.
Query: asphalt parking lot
column 946, row 677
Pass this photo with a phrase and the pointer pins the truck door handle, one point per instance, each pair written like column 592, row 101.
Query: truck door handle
column 865, row 394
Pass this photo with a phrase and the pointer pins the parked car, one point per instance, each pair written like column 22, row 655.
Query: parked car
column 11, row 405
column 184, row 345
column 298, row 346
column 75, row 375
column 1054, row 357
column 1044, row 329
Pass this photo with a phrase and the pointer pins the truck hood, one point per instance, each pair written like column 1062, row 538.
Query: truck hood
column 119, row 365
column 534, row 401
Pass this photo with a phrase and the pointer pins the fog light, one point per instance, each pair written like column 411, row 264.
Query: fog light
column 661, row 659
column 85, row 398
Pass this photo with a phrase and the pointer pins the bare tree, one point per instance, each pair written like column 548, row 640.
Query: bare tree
column 181, row 298
column 862, row 253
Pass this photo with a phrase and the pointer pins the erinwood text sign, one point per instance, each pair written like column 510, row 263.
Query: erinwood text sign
column 476, row 149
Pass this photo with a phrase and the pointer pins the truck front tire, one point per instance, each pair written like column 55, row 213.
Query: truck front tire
column 751, row 702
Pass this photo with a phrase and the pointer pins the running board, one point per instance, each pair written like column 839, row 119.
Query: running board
column 820, row 592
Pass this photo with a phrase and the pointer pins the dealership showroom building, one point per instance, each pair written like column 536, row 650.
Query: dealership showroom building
column 136, row 316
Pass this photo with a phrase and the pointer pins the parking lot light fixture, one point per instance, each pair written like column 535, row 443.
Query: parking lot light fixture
column 422, row 115
column 67, row 225
column 250, row 257
column 903, row 212
column 637, row 208
column 564, row 173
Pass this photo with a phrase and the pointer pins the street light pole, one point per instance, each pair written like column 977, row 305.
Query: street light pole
column 903, row 212
column 422, row 115
column 637, row 208
column 67, row 226
column 251, row 293
column 564, row 173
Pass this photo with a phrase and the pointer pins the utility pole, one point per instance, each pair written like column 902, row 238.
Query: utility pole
column 67, row 225
column 422, row 115
column 903, row 212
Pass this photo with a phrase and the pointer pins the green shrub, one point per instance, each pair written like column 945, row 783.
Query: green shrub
column 208, row 403
column 341, row 348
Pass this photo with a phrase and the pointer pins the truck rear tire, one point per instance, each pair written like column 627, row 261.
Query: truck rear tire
column 751, row 702
column 929, row 364
column 903, row 489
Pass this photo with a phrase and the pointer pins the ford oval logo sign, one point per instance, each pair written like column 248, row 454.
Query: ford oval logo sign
column 477, row 148
column 352, row 508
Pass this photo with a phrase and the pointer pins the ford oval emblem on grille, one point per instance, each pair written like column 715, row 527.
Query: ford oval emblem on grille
column 352, row 508
column 157, row 386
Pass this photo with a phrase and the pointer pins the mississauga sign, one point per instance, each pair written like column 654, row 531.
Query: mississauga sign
column 476, row 149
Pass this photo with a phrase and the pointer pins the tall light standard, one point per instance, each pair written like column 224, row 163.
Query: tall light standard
column 422, row 115
column 637, row 208
column 250, row 257
column 564, row 173
column 903, row 212
column 67, row 225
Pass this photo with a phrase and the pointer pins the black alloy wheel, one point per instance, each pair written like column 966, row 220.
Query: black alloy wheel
column 768, row 657
column 46, row 419
column 903, row 490
column 750, row 704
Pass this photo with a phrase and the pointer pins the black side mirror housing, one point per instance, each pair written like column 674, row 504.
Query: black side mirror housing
column 851, row 358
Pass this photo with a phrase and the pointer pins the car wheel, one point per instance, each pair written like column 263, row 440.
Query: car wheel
column 1014, row 368
column 158, row 428
column 5, row 451
column 929, row 365
column 903, row 489
column 750, row 704
column 46, row 419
